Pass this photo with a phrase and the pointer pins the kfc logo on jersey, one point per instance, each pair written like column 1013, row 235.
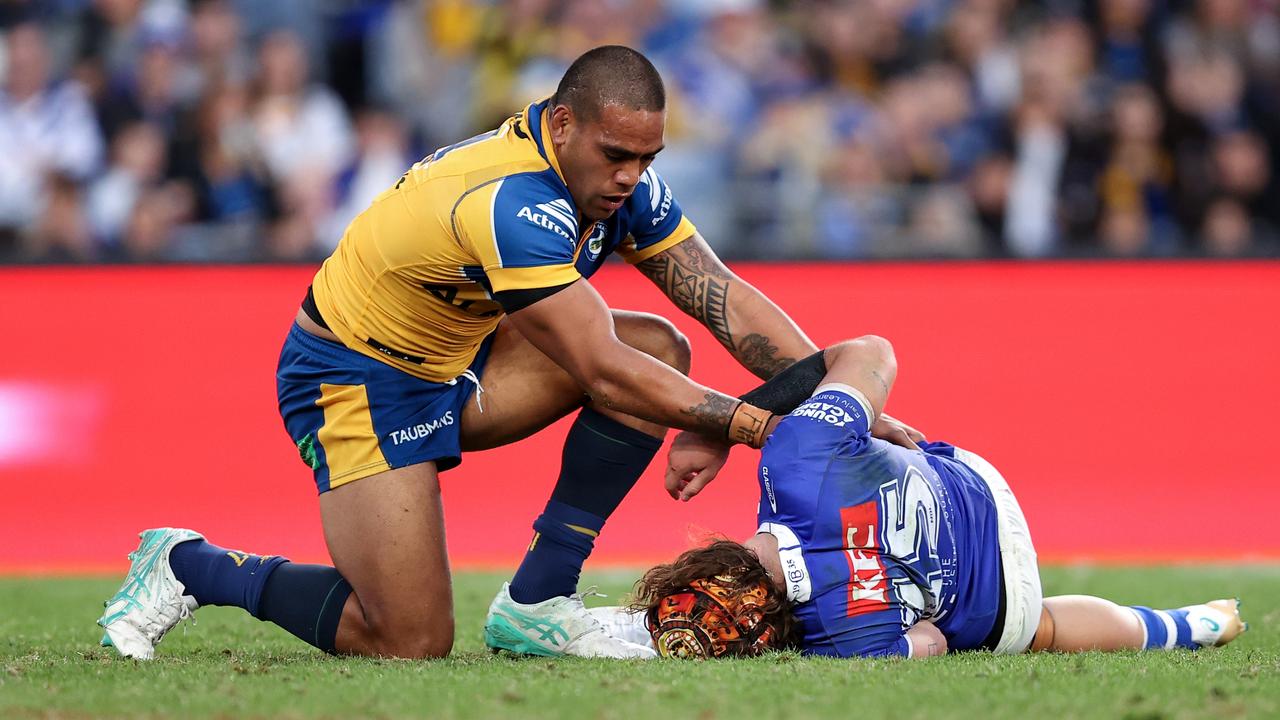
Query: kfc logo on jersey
column 825, row 412
column 556, row 216
column 868, row 586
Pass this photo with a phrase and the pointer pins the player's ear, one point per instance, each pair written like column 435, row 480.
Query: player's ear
column 561, row 123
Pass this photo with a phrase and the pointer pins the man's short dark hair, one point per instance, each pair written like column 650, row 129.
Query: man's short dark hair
column 610, row 75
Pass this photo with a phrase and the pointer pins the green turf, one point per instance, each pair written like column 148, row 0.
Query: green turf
column 231, row 666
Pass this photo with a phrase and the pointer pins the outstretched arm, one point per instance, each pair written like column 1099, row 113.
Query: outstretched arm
column 574, row 328
column 759, row 335
column 749, row 325
column 866, row 364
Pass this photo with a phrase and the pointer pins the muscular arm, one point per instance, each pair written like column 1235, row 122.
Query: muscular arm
column 753, row 329
column 575, row 329
column 867, row 364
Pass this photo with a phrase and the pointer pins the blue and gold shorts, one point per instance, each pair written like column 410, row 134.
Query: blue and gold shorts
column 352, row 416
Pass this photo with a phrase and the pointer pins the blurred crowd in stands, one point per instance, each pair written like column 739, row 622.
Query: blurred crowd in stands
column 253, row 130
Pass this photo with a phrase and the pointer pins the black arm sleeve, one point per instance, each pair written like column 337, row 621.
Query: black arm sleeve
column 785, row 391
column 513, row 300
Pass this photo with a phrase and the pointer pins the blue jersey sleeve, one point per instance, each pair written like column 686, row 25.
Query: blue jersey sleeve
column 873, row 634
column 835, row 409
column 901, row 647
column 526, row 236
column 656, row 220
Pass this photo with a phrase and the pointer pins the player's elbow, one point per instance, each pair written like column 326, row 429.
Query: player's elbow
column 926, row 641
column 878, row 348
column 869, row 350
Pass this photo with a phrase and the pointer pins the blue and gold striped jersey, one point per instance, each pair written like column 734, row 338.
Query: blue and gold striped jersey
column 412, row 281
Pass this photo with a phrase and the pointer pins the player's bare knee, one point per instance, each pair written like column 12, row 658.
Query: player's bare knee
column 391, row 632
column 680, row 352
column 659, row 337
column 431, row 647
column 421, row 643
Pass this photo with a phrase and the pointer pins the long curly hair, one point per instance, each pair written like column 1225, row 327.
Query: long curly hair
column 726, row 564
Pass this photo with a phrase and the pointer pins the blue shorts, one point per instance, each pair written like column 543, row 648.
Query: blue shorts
column 352, row 416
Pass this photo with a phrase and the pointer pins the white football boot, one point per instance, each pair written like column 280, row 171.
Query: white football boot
column 624, row 624
column 151, row 601
column 1216, row 622
column 553, row 628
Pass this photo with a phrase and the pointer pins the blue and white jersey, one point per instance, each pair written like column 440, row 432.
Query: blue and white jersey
column 874, row 537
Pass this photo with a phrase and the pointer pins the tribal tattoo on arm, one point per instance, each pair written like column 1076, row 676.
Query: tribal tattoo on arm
column 693, row 277
column 698, row 285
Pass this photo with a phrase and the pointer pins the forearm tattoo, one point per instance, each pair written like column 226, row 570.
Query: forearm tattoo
column 696, row 284
column 760, row 356
column 713, row 413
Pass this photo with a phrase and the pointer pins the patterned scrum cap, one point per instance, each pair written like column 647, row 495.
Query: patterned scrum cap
column 714, row 617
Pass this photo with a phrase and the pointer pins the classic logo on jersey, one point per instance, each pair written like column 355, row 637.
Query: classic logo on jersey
column 826, row 412
column 421, row 430
column 595, row 243
column 868, row 586
column 556, row 216
column 768, row 488
column 650, row 178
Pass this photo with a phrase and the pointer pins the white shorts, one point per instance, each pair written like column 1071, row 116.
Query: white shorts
column 1022, row 593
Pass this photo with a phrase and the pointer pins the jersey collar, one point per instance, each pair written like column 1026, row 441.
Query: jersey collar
column 538, row 120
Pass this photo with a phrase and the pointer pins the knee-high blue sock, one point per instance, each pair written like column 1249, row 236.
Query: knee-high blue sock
column 218, row 576
column 1165, row 629
column 306, row 600
column 602, row 461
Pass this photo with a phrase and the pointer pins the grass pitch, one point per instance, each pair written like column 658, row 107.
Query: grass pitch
column 229, row 665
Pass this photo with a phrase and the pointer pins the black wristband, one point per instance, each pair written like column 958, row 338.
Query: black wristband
column 785, row 391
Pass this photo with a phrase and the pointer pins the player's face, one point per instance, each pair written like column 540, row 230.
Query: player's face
column 603, row 159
